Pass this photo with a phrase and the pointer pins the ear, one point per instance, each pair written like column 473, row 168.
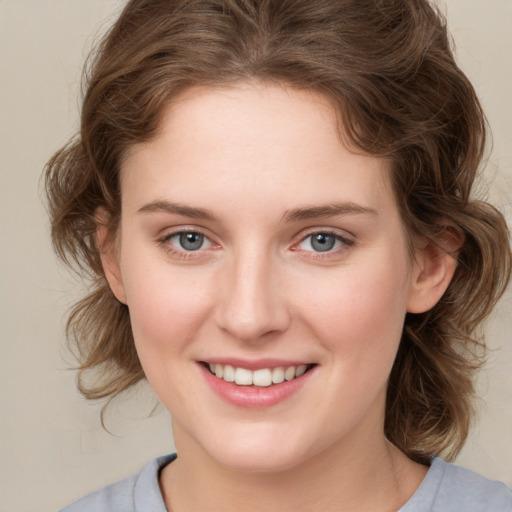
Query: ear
column 107, row 245
column 434, row 266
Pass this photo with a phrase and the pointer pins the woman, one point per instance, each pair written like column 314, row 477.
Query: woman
column 273, row 198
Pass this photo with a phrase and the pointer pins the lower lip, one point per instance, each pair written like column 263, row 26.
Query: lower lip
column 253, row 396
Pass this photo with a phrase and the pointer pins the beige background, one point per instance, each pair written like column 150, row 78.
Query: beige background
column 53, row 448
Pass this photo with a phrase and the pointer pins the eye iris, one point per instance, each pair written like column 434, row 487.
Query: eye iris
column 322, row 242
column 191, row 241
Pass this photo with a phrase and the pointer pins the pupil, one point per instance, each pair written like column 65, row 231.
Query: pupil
column 191, row 241
column 322, row 242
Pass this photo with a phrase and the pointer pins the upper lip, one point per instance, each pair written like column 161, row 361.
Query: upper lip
column 255, row 364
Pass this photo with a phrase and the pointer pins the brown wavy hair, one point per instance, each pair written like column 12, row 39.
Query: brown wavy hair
column 389, row 69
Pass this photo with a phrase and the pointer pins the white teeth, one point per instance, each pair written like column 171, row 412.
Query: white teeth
column 289, row 374
column 262, row 378
column 301, row 370
column 243, row 377
column 229, row 373
column 278, row 375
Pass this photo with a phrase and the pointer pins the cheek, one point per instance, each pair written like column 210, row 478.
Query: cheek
column 359, row 309
column 358, row 319
column 166, row 307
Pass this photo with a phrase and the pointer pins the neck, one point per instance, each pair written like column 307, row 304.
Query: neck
column 345, row 478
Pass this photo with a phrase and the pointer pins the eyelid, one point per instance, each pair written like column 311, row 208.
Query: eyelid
column 164, row 238
column 335, row 232
column 346, row 241
column 164, row 241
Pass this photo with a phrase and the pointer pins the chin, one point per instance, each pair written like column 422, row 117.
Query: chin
column 266, row 461
column 258, row 452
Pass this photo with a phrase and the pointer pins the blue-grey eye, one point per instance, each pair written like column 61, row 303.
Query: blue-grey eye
column 322, row 242
column 191, row 241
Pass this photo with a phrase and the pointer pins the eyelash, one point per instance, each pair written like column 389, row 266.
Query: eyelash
column 345, row 243
column 183, row 254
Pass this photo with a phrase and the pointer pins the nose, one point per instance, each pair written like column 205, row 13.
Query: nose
column 252, row 304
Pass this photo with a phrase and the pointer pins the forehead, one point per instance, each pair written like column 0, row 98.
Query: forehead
column 248, row 139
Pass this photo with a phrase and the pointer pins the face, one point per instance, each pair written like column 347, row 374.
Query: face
column 253, row 244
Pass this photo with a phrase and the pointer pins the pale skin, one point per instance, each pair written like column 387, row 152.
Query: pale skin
column 254, row 173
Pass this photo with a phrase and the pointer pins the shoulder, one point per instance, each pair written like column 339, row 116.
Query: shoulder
column 471, row 491
column 450, row 488
column 136, row 493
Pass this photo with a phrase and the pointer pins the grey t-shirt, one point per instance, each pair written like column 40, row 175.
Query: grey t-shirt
column 446, row 488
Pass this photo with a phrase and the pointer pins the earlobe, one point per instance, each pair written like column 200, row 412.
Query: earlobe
column 106, row 241
column 434, row 267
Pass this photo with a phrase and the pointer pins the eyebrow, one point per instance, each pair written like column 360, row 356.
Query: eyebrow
column 296, row 214
column 178, row 209
column 330, row 210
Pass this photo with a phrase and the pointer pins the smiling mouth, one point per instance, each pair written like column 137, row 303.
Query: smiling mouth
column 264, row 377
